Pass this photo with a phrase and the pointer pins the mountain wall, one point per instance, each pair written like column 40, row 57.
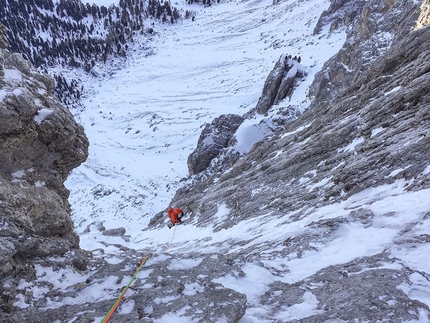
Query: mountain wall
column 367, row 127
column 381, row 92
column 40, row 143
column 367, row 130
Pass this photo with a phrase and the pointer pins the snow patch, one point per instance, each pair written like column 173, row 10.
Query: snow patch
column 41, row 115
column 249, row 133
column 19, row 174
column 352, row 145
column 393, row 90
column 376, row 131
column 12, row 75
column 184, row 264
column 302, row 310
column 193, row 289
column 295, row 131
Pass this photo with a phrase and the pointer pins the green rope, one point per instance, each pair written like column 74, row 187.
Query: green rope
column 113, row 308
column 121, row 296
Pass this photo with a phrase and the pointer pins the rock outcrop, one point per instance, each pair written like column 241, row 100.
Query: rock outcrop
column 40, row 143
column 280, row 82
column 371, row 33
column 213, row 139
column 339, row 14
column 424, row 16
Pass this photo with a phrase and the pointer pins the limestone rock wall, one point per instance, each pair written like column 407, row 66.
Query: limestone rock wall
column 213, row 139
column 280, row 82
column 391, row 95
column 40, row 143
column 424, row 17
column 372, row 27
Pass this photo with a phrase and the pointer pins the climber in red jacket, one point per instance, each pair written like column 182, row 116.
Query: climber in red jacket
column 175, row 215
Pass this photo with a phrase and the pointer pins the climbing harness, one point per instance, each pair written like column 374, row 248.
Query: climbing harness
column 113, row 308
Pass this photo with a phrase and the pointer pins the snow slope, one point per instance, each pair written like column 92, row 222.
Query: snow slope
column 144, row 117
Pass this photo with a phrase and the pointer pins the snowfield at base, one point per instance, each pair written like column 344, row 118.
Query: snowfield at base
column 144, row 119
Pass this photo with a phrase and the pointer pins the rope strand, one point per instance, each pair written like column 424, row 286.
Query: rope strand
column 121, row 296
column 113, row 308
column 171, row 241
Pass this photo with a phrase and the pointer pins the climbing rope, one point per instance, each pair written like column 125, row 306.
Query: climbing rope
column 113, row 308
column 171, row 241
column 121, row 296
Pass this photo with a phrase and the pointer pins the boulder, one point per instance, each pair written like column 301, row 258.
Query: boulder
column 213, row 139
column 280, row 82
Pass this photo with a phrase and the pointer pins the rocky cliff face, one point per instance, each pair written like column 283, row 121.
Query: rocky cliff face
column 383, row 91
column 371, row 33
column 213, row 139
column 40, row 143
column 367, row 127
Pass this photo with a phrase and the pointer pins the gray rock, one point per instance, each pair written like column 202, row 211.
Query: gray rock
column 373, row 289
column 424, row 17
column 114, row 232
column 340, row 13
column 7, row 250
column 40, row 143
column 370, row 35
column 4, row 43
column 213, row 139
column 168, row 288
column 280, row 82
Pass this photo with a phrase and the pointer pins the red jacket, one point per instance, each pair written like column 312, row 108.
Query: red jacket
column 173, row 214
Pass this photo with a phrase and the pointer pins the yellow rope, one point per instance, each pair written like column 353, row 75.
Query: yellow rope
column 121, row 296
column 113, row 308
